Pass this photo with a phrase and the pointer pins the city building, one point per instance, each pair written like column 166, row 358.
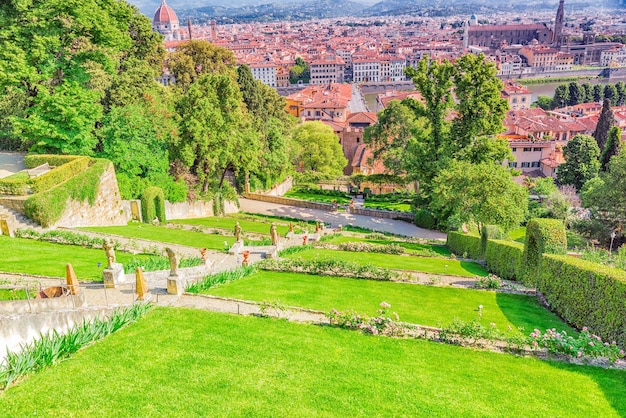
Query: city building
column 327, row 69
column 265, row 73
column 321, row 102
column 518, row 96
column 166, row 22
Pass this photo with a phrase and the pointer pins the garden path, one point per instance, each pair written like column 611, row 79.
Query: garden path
column 340, row 218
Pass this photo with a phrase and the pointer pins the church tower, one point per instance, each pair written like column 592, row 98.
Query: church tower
column 166, row 22
column 558, row 24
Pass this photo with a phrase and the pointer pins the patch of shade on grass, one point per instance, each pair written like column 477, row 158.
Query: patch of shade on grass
column 419, row 304
column 180, row 362
column 48, row 259
column 399, row 262
column 168, row 235
column 411, row 247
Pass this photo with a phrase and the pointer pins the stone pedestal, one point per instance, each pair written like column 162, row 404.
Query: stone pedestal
column 175, row 285
column 114, row 276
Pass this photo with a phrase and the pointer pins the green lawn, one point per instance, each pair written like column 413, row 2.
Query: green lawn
column 425, row 305
column 13, row 294
column 396, row 206
column 179, row 362
column 518, row 234
column 411, row 247
column 399, row 262
column 314, row 197
column 48, row 259
column 260, row 227
column 169, row 235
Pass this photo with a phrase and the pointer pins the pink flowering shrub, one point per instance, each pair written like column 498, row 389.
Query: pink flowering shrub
column 585, row 345
column 381, row 324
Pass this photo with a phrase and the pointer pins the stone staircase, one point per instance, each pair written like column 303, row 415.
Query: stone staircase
column 17, row 220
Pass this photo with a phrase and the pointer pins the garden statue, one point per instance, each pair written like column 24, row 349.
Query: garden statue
column 173, row 262
column 317, row 226
column 109, row 249
column 203, row 254
column 352, row 206
column 291, row 227
column 238, row 231
column 304, row 240
column 274, row 234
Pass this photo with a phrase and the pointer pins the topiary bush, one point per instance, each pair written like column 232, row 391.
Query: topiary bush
column 542, row 236
column 153, row 204
column 505, row 259
column 425, row 219
column 488, row 232
column 460, row 244
column 586, row 294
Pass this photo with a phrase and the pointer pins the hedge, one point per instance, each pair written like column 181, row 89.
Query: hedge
column 505, row 259
column 460, row 244
column 543, row 236
column 47, row 206
column 425, row 219
column 153, row 204
column 586, row 294
column 488, row 232
column 68, row 166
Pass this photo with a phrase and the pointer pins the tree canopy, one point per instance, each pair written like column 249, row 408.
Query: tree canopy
column 581, row 161
column 319, row 149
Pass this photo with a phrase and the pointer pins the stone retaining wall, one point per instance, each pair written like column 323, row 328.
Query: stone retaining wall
column 17, row 204
column 291, row 202
column 280, row 189
column 11, row 307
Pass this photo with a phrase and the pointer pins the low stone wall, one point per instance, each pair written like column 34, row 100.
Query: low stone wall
column 291, row 202
column 17, row 204
column 16, row 330
column 12, row 307
column 197, row 209
column 187, row 273
column 386, row 214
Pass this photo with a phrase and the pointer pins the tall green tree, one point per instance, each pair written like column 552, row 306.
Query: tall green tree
column 577, row 93
column 561, row 96
column 581, row 161
column 620, row 86
column 588, row 92
column 543, row 102
column 610, row 93
column 598, row 93
column 611, row 148
column 215, row 130
column 319, row 149
column 605, row 121
column 481, row 193
column 195, row 58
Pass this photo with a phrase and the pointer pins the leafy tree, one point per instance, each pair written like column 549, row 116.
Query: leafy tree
column 561, row 96
column 483, row 193
column 612, row 147
column 588, row 92
column 544, row 102
column 215, row 130
column 577, row 93
column 195, row 58
column 544, row 186
column 581, row 161
column 605, row 121
column 300, row 71
column 249, row 90
column 319, row 149
column 598, row 93
column 621, row 93
column 610, row 92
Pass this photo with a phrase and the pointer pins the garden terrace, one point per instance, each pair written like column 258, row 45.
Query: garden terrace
column 249, row 223
column 410, row 247
column 424, row 305
column 398, row 262
column 230, row 365
column 318, row 195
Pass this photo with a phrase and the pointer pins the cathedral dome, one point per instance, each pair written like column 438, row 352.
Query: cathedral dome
column 165, row 15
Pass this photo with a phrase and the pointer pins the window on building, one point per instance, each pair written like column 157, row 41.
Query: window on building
column 525, row 164
column 535, row 164
column 537, row 149
column 514, row 149
column 527, row 149
column 513, row 164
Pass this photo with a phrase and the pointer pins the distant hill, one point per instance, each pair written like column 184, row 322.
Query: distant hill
column 292, row 11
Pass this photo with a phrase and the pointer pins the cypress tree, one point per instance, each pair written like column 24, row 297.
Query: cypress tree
column 612, row 147
column 598, row 93
column 604, row 124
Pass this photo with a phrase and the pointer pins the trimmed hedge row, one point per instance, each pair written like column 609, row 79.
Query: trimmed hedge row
column 488, row 232
column 153, row 204
column 505, row 259
column 47, row 206
column 69, row 167
column 586, row 294
column 461, row 243
column 543, row 236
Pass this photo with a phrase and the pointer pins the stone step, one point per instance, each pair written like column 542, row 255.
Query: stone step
column 18, row 220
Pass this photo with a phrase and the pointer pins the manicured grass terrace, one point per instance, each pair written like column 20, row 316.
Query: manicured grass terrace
column 170, row 235
column 419, row 304
column 48, row 259
column 261, row 226
column 395, row 206
column 179, row 362
column 399, row 262
column 411, row 247
column 314, row 197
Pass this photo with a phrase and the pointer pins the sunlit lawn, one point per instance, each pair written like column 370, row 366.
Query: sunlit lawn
column 399, row 262
column 259, row 227
column 396, row 206
column 518, row 234
column 169, row 235
column 179, row 362
column 314, row 197
column 48, row 259
column 425, row 305
column 411, row 247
